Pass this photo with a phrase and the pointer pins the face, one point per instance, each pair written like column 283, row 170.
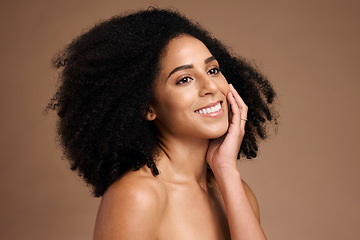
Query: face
column 190, row 92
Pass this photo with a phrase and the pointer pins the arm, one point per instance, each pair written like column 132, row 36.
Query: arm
column 222, row 156
column 242, row 217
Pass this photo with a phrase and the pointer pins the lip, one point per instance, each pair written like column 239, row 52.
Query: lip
column 212, row 114
column 211, row 105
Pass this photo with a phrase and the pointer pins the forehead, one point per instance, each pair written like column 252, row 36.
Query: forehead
column 182, row 50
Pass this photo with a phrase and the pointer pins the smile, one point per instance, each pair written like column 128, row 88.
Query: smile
column 207, row 110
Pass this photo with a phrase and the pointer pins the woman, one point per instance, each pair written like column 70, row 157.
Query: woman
column 147, row 117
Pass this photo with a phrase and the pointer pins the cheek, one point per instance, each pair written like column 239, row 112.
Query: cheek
column 224, row 86
column 225, row 89
column 179, row 100
column 175, row 103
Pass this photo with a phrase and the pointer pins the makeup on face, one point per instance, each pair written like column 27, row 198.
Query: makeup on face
column 190, row 91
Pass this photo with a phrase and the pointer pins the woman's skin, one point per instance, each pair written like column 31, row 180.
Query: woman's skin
column 184, row 201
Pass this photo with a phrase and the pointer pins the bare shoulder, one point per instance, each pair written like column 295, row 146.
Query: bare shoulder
column 131, row 208
column 252, row 199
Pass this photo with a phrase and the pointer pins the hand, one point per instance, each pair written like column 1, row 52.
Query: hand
column 222, row 152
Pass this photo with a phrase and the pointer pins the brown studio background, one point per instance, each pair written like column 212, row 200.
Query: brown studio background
column 306, row 177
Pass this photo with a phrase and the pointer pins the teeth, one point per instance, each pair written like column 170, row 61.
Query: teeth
column 213, row 109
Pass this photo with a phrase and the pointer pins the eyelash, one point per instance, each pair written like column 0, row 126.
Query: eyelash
column 217, row 69
column 183, row 81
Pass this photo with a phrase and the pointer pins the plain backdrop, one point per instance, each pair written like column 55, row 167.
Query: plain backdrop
column 306, row 176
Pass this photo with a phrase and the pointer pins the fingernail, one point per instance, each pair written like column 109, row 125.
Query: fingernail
column 231, row 85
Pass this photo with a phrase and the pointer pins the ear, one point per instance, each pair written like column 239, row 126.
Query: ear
column 150, row 114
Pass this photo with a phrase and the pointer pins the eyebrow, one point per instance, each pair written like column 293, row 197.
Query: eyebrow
column 189, row 66
column 209, row 59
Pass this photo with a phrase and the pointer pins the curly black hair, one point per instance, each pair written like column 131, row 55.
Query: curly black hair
column 106, row 86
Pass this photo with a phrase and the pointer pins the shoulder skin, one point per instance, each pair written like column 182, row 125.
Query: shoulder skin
column 131, row 208
column 252, row 199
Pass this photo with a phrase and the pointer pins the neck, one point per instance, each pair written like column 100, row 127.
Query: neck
column 182, row 160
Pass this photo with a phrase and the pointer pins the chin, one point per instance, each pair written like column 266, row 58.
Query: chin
column 219, row 132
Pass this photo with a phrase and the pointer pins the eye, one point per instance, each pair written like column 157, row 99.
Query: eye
column 184, row 80
column 214, row 71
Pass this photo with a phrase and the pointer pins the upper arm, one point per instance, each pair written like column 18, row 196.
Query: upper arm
column 252, row 199
column 129, row 211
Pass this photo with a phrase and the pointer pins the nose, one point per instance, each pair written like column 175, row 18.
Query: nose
column 207, row 86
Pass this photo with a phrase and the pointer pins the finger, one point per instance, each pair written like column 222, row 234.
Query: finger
column 242, row 106
column 239, row 101
column 235, row 120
